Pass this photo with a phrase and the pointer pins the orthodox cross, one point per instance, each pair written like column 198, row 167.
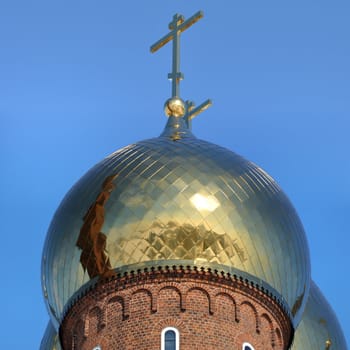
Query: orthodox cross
column 177, row 26
column 192, row 112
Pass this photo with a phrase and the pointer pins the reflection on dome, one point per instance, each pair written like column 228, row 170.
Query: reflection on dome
column 50, row 340
column 319, row 327
column 183, row 242
column 203, row 203
column 91, row 240
column 181, row 200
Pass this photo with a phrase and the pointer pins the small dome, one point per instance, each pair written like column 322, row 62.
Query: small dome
column 319, row 327
column 175, row 198
column 50, row 340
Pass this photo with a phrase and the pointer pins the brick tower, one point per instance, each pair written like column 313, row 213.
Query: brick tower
column 175, row 243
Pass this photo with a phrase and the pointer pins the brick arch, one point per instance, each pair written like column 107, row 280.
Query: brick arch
column 171, row 322
column 253, row 308
column 94, row 320
column 137, row 294
column 196, row 327
column 202, row 290
column 268, row 319
column 278, row 337
column 120, row 300
column 78, row 334
column 154, row 290
column 102, row 306
column 171, row 288
column 245, row 338
column 140, row 290
column 231, row 298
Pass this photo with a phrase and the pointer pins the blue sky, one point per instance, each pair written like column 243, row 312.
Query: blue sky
column 77, row 81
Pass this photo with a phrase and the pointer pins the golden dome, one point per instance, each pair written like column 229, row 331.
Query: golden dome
column 319, row 328
column 179, row 198
column 50, row 340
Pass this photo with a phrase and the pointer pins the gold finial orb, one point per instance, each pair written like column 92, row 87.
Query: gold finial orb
column 328, row 344
column 175, row 107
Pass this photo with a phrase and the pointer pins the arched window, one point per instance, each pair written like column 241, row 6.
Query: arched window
column 170, row 339
column 247, row 346
column 97, row 348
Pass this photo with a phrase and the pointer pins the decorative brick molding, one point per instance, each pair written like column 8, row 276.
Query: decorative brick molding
column 211, row 310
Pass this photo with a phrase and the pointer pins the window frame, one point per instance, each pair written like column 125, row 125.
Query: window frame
column 177, row 337
column 247, row 344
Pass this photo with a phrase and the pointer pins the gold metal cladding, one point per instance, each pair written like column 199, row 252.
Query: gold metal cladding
column 178, row 19
column 177, row 26
column 175, row 107
column 91, row 240
column 319, row 327
column 50, row 339
column 183, row 200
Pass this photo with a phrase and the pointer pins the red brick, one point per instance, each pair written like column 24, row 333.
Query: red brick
column 210, row 312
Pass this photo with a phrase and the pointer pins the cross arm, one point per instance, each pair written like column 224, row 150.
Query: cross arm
column 192, row 20
column 182, row 27
column 193, row 112
column 160, row 43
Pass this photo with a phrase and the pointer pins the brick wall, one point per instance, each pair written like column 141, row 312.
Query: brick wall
column 209, row 311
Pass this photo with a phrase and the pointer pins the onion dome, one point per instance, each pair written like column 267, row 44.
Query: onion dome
column 175, row 198
column 319, row 328
column 50, row 340
column 180, row 200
